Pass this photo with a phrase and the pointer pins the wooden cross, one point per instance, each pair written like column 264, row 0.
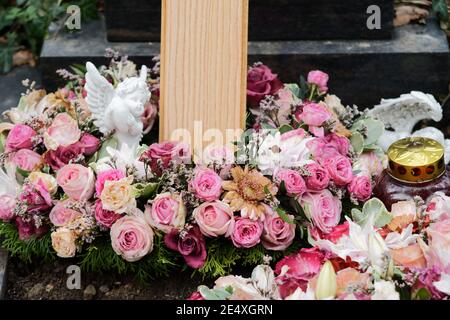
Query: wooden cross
column 203, row 69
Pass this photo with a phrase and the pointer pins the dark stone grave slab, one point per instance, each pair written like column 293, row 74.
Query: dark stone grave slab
column 3, row 265
column 362, row 72
column 140, row 20
column 11, row 86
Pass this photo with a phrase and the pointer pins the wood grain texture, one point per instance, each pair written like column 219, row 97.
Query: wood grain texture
column 203, row 67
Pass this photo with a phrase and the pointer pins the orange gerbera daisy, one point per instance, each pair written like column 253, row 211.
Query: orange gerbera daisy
column 247, row 191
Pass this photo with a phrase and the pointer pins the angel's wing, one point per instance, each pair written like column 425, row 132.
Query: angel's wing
column 8, row 182
column 403, row 113
column 99, row 95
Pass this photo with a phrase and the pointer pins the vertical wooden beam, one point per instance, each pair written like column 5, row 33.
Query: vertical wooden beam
column 203, row 68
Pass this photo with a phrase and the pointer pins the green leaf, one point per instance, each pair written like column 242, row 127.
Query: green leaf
column 215, row 294
column 422, row 294
column 372, row 209
column 285, row 128
column 304, row 88
column 145, row 190
column 110, row 142
column 294, row 88
column 23, row 173
column 283, row 215
column 373, row 130
column 357, row 142
column 441, row 9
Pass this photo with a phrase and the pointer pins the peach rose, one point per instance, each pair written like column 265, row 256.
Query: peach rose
column 77, row 181
column 409, row 257
column 63, row 132
column 118, row 195
column 61, row 214
column 63, row 242
column 350, row 277
column 404, row 213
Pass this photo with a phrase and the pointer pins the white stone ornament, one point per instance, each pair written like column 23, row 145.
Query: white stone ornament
column 403, row 113
column 118, row 110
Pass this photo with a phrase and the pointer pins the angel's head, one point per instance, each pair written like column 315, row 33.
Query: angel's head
column 136, row 88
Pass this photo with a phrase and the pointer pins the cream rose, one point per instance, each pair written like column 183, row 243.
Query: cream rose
column 63, row 242
column 118, row 195
column 48, row 180
column 62, row 132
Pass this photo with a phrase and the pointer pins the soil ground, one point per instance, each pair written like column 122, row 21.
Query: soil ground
column 48, row 282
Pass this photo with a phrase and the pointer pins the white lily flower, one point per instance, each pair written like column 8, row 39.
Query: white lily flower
column 362, row 245
column 443, row 285
column 124, row 159
column 385, row 290
column 300, row 295
column 395, row 240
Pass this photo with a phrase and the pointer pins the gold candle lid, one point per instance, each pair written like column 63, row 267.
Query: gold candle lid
column 416, row 160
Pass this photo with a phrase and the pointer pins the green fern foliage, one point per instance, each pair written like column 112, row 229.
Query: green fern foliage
column 33, row 249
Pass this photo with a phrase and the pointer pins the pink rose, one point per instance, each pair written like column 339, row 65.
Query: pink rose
column 27, row 160
column 90, row 144
column 296, row 270
column 149, row 116
column 107, row 175
column 439, row 245
column 340, row 170
column 329, row 146
column 438, row 208
column 105, row 218
column 61, row 214
column 277, row 235
column 77, row 181
column 58, row 158
column 341, row 144
column 7, row 205
column 166, row 212
column 293, row 181
column 207, row 185
column 320, row 79
column 247, row 233
column 260, row 83
column 62, row 132
column 360, row 188
column 214, row 219
column 36, row 196
column 319, row 178
column 159, row 155
column 191, row 245
column 323, row 209
column 20, row 137
column 132, row 237
column 369, row 164
column 314, row 114
column 27, row 229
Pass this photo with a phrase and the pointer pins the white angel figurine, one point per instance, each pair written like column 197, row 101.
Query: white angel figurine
column 403, row 113
column 118, row 110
